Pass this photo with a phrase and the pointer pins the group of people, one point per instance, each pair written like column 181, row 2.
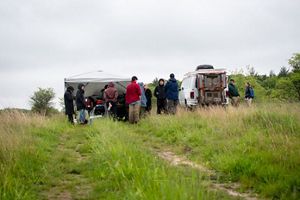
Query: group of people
column 80, row 104
column 167, row 95
column 138, row 97
column 235, row 96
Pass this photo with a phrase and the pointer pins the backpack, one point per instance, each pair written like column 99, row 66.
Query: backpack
column 251, row 91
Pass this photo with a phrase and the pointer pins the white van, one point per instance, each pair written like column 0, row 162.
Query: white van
column 202, row 87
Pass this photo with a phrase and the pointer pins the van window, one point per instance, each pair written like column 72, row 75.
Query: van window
column 186, row 83
column 193, row 82
column 189, row 82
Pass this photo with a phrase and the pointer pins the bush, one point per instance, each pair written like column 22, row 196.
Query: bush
column 41, row 101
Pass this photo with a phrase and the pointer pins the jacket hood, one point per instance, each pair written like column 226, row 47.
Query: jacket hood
column 70, row 88
column 80, row 86
column 173, row 79
column 111, row 84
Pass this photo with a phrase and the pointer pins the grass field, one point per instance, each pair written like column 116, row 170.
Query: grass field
column 46, row 158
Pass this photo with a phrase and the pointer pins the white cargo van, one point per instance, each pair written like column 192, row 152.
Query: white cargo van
column 205, row 86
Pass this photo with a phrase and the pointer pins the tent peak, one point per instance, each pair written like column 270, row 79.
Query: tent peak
column 85, row 73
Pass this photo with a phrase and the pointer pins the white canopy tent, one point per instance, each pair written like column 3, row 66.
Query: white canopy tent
column 95, row 81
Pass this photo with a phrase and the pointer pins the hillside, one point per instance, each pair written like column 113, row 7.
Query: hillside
column 245, row 153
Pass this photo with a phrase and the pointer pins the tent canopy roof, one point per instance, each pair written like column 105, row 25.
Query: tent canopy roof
column 95, row 81
column 96, row 76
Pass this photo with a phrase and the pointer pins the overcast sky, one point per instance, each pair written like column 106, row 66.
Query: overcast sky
column 43, row 42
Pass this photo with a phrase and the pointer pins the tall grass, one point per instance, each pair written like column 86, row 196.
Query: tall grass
column 125, row 169
column 258, row 146
column 33, row 162
column 22, row 154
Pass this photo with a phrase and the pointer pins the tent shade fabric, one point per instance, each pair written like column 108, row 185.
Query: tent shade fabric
column 95, row 81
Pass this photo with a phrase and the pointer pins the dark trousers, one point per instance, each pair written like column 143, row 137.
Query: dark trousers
column 161, row 105
column 70, row 118
column 113, row 109
column 172, row 106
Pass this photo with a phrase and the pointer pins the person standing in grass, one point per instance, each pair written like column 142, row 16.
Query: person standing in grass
column 143, row 100
column 171, row 89
column 160, row 94
column 148, row 94
column 80, row 104
column 233, row 93
column 110, row 96
column 69, row 103
column 249, row 94
column 133, row 95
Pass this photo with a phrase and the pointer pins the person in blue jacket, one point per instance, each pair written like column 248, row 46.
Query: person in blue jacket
column 249, row 94
column 80, row 105
column 171, row 90
column 143, row 100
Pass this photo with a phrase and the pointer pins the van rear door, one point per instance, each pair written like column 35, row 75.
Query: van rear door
column 213, row 85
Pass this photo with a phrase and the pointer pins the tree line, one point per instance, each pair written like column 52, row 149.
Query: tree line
column 284, row 86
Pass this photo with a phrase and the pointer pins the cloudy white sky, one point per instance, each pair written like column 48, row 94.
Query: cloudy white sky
column 42, row 42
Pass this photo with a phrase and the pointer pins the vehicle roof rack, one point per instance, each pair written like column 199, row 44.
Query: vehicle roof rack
column 207, row 71
column 200, row 67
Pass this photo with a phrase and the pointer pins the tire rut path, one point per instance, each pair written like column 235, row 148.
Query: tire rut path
column 72, row 184
column 229, row 188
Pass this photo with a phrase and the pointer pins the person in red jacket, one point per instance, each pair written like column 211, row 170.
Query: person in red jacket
column 133, row 95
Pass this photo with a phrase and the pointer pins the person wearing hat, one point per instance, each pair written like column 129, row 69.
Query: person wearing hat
column 171, row 90
column 69, row 104
column 133, row 96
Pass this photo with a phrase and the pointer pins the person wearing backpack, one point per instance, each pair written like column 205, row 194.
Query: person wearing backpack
column 249, row 94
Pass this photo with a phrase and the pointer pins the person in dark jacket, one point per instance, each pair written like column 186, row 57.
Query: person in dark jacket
column 160, row 94
column 233, row 93
column 171, row 89
column 80, row 105
column 148, row 94
column 69, row 104
column 249, row 94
